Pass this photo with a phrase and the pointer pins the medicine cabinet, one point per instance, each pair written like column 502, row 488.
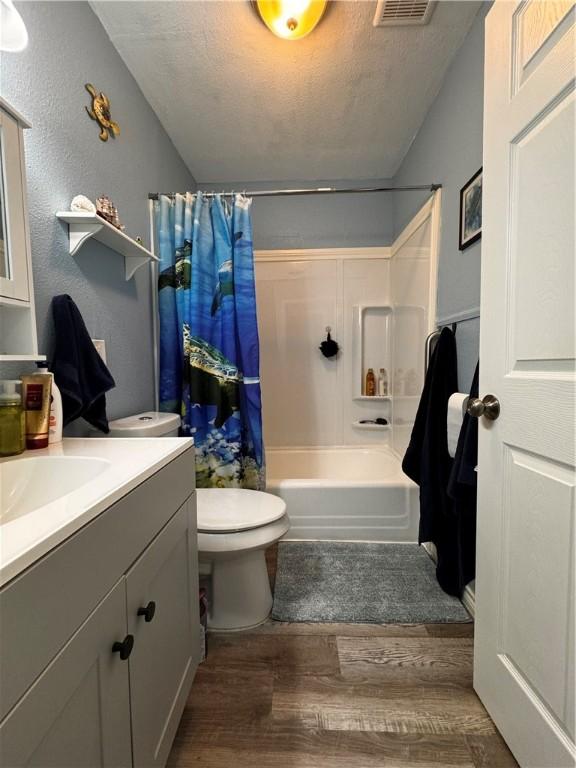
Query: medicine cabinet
column 18, row 340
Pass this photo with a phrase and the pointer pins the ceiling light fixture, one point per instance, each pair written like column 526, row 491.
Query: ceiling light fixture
column 13, row 34
column 290, row 19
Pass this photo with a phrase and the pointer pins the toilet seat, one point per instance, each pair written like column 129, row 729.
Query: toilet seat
column 218, row 545
column 231, row 510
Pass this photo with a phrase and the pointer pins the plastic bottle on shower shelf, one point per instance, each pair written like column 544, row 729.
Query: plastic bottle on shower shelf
column 383, row 383
column 370, row 389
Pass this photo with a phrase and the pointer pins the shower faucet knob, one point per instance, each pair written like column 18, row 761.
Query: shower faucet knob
column 489, row 407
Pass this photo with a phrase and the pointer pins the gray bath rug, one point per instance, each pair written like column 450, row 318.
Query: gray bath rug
column 328, row 581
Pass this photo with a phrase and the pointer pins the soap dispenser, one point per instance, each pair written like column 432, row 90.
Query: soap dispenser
column 12, row 425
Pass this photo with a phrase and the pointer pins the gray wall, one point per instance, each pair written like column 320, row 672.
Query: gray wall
column 448, row 150
column 321, row 221
column 68, row 48
column 64, row 157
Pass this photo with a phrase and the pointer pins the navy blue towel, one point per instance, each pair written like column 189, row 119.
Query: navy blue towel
column 462, row 490
column 429, row 464
column 79, row 371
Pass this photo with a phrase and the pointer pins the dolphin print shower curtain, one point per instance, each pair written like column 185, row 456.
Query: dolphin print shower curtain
column 209, row 351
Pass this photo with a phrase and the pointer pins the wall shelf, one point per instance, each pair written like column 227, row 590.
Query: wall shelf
column 374, row 398
column 21, row 358
column 371, row 427
column 19, row 341
column 82, row 226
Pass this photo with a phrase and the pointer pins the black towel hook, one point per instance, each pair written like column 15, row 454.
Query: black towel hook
column 329, row 347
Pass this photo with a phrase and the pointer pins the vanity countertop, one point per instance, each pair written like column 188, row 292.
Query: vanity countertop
column 47, row 495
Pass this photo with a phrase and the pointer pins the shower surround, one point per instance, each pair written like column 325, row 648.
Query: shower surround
column 341, row 479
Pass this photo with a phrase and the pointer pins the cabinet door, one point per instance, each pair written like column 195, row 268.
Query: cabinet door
column 163, row 586
column 14, row 245
column 77, row 714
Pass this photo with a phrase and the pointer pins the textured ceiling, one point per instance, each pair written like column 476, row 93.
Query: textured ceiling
column 241, row 104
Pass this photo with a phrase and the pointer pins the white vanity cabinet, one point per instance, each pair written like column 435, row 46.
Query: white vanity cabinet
column 77, row 714
column 164, row 623
column 100, row 638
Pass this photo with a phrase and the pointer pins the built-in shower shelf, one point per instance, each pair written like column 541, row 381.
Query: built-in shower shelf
column 376, row 398
column 83, row 226
column 371, row 332
column 371, row 427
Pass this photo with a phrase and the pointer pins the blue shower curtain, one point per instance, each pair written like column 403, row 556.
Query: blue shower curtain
column 209, row 351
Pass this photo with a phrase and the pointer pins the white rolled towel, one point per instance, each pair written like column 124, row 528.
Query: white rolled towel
column 457, row 405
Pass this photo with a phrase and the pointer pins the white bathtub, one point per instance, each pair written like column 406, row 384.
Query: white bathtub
column 352, row 494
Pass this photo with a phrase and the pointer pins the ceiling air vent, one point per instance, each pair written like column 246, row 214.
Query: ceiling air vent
column 395, row 13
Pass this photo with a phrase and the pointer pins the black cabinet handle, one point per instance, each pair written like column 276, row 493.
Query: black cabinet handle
column 148, row 612
column 124, row 648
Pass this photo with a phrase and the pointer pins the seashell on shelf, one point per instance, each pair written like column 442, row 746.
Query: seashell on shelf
column 82, row 203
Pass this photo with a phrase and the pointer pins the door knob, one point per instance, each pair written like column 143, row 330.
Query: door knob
column 124, row 648
column 148, row 612
column 489, row 407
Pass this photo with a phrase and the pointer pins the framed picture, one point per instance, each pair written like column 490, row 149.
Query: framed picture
column 471, row 211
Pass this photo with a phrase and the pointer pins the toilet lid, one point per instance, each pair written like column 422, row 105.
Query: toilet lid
column 222, row 510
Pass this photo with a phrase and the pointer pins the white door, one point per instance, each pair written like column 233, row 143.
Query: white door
column 524, row 654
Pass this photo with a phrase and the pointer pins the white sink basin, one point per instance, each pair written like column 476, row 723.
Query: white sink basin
column 48, row 495
column 30, row 483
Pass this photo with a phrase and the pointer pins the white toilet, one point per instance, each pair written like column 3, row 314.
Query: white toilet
column 235, row 527
column 148, row 424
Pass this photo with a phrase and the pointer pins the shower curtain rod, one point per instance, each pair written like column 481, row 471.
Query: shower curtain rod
column 317, row 191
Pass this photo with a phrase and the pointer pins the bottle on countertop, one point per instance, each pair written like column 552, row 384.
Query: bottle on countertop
column 383, row 383
column 12, row 425
column 56, row 412
column 370, row 389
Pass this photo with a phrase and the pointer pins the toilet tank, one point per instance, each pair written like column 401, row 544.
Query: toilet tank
column 148, row 424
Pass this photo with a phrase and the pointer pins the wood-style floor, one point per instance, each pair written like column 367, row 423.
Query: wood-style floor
column 338, row 696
